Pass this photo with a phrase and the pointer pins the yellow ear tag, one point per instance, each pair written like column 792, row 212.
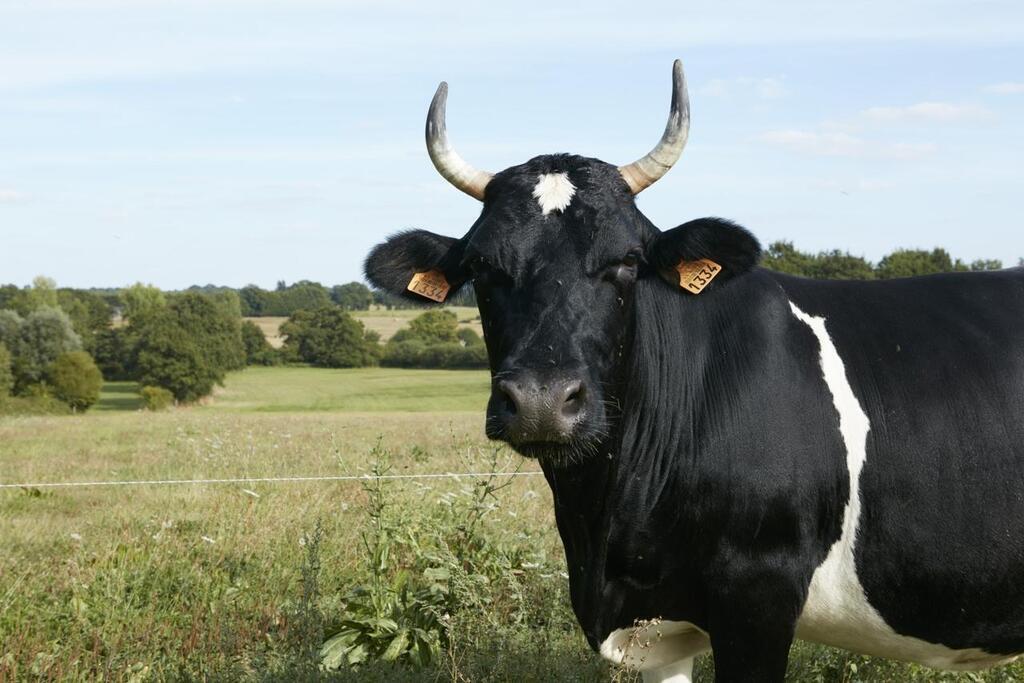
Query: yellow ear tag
column 694, row 276
column 431, row 284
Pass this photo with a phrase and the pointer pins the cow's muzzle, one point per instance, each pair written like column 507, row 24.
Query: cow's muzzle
column 527, row 407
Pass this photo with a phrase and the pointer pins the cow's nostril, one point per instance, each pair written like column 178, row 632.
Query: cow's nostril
column 508, row 394
column 574, row 398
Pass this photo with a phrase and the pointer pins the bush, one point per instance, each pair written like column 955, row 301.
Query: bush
column 6, row 376
column 156, row 398
column 469, row 337
column 416, row 354
column 34, row 404
column 76, row 380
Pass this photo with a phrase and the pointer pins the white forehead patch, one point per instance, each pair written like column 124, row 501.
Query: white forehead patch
column 553, row 192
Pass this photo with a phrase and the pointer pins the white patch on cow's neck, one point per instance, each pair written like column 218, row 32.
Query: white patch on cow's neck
column 553, row 192
column 837, row 611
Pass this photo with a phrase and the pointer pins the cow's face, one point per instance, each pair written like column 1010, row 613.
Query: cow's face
column 554, row 258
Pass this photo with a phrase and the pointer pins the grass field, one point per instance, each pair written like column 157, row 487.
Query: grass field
column 235, row 582
column 381, row 320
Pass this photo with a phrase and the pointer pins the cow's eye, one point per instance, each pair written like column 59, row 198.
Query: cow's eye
column 631, row 259
column 477, row 266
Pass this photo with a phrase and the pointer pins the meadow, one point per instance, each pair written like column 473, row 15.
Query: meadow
column 381, row 320
column 245, row 581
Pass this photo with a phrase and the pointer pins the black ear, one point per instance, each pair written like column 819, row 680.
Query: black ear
column 729, row 245
column 391, row 265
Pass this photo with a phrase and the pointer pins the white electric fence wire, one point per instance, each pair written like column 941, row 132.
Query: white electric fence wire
column 258, row 480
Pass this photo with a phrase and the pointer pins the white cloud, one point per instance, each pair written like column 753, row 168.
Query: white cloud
column 1006, row 88
column 936, row 112
column 9, row 196
column 763, row 88
column 833, row 144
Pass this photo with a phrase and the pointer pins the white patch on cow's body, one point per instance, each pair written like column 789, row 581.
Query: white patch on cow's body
column 679, row 672
column 554, row 192
column 660, row 647
column 837, row 611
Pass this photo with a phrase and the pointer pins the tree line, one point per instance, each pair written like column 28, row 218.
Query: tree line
column 57, row 345
column 782, row 256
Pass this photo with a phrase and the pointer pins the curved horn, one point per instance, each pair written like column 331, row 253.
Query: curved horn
column 446, row 160
column 645, row 171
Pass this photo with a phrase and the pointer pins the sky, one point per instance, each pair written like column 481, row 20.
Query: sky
column 230, row 142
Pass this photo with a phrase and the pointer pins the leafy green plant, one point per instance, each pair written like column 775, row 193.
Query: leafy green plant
column 388, row 618
column 421, row 572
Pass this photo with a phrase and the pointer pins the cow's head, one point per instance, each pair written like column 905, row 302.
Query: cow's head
column 555, row 258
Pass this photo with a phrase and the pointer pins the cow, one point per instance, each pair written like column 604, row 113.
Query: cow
column 739, row 457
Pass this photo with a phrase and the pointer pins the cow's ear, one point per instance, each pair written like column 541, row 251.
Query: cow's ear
column 682, row 252
column 418, row 265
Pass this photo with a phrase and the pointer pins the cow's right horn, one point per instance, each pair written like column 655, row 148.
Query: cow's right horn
column 646, row 171
column 446, row 160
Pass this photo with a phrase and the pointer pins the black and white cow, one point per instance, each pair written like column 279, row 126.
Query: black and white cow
column 739, row 457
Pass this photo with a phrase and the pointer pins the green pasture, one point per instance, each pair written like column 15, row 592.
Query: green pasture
column 229, row 582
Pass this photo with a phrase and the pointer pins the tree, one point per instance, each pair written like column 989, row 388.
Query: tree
column 911, row 262
column 330, row 337
column 255, row 301
column 438, row 326
column 90, row 314
column 986, row 264
column 14, row 299
column 828, row 265
column 140, row 301
column 841, row 265
column 43, row 293
column 783, row 257
column 114, row 352
column 6, row 374
column 258, row 350
column 76, row 380
column 43, row 336
column 304, row 295
column 10, row 323
column 189, row 346
column 354, row 296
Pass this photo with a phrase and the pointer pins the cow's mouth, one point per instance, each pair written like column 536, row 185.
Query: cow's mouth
column 558, row 453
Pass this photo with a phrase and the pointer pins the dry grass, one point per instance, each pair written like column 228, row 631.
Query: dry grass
column 380, row 320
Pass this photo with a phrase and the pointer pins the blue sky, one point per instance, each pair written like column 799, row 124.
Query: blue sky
column 233, row 142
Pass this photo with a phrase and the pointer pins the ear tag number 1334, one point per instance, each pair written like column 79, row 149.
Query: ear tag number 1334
column 431, row 284
column 694, row 276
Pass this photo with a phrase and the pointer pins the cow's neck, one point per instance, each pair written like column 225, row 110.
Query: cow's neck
column 612, row 507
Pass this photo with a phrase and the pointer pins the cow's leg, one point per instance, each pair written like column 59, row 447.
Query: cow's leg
column 747, row 649
column 676, row 672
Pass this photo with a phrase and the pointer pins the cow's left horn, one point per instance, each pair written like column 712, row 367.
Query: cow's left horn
column 446, row 160
column 646, row 171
